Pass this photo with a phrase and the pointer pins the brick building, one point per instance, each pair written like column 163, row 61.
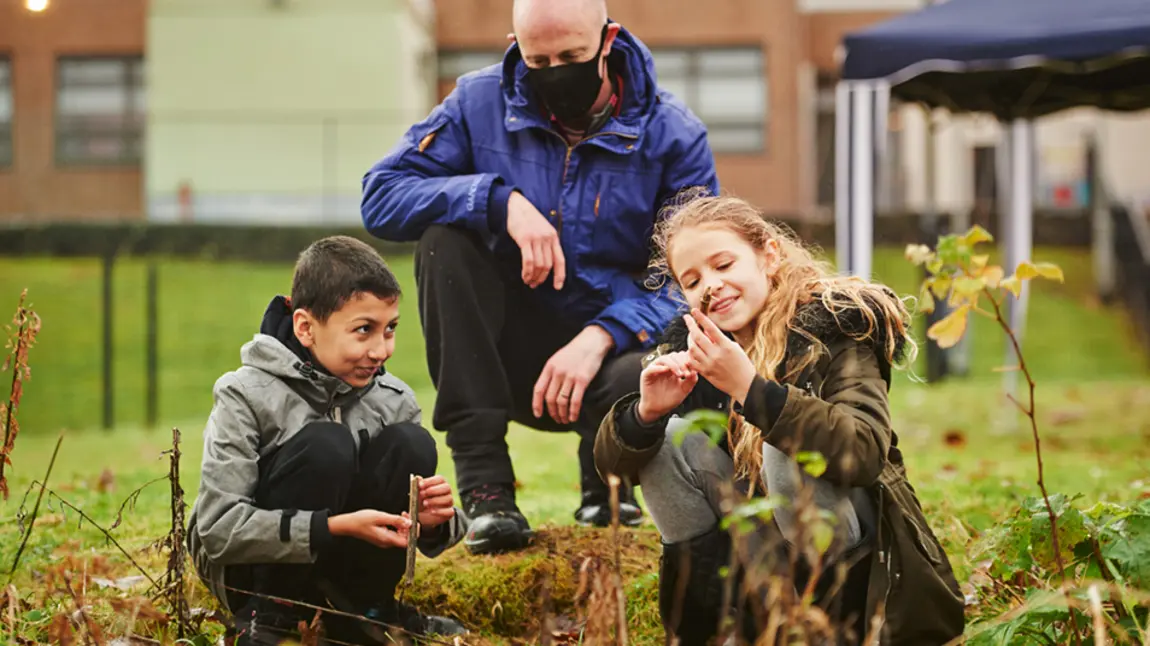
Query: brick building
column 750, row 69
column 72, row 109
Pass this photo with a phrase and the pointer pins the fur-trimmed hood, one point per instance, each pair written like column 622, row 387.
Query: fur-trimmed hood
column 815, row 319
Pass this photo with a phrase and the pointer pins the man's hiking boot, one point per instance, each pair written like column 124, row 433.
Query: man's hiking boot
column 595, row 510
column 496, row 522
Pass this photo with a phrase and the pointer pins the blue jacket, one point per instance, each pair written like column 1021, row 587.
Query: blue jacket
column 490, row 137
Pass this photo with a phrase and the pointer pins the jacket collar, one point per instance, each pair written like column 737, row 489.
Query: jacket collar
column 622, row 133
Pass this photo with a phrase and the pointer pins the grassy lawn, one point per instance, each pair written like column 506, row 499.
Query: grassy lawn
column 968, row 455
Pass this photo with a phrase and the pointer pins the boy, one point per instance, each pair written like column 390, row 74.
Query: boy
column 308, row 454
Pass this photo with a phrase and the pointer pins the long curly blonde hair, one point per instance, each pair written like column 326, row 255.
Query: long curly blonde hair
column 800, row 278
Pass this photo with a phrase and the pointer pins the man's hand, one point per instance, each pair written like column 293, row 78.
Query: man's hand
column 375, row 527
column 435, row 503
column 565, row 377
column 538, row 242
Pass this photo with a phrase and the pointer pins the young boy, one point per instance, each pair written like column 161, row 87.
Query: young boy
column 308, row 454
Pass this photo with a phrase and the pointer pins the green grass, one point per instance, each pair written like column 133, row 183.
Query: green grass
column 1094, row 405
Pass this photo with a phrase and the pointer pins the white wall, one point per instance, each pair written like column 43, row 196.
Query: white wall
column 274, row 109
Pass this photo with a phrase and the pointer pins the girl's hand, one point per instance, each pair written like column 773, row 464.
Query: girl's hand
column 436, row 505
column 664, row 384
column 717, row 358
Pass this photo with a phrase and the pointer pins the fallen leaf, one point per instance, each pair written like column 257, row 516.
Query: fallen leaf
column 107, row 481
column 1062, row 417
column 954, row 438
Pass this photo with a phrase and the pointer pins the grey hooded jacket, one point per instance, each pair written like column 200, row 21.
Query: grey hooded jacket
column 258, row 408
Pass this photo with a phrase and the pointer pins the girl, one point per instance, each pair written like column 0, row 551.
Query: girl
column 800, row 359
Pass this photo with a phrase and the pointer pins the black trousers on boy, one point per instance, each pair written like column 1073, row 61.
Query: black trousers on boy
column 320, row 468
column 487, row 342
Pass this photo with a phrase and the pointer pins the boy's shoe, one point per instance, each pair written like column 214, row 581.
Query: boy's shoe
column 595, row 510
column 496, row 522
column 383, row 620
column 265, row 626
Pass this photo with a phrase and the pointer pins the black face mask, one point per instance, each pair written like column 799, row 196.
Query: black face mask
column 569, row 90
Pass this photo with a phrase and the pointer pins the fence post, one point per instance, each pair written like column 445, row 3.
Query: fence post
column 152, row 352
column 109, row 338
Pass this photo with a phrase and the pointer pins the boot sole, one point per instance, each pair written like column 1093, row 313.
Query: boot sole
column 500, row 541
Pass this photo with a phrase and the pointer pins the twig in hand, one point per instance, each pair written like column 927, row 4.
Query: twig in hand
column 36, row 508
column 27, row 324
column 413, row 530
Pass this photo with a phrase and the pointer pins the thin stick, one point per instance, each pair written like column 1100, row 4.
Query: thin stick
column 36, row 508
column 106, row 534
column 1030, row 413
column 413, row 530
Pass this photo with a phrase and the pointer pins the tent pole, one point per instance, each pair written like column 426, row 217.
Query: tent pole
column 1021, row 232
column 842, row 175
column 862, row 202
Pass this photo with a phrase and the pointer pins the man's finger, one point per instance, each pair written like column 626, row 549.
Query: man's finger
column 560, row 264
column 576, row 403
column 541, row 389
column 544, row 255
column 528, row 262
column 556, row 387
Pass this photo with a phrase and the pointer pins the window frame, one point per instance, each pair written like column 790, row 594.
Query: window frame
column 63, row 134
column 692, row 76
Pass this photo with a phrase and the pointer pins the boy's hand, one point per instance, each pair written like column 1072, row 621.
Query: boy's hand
column 375, row 527
column 436, row 505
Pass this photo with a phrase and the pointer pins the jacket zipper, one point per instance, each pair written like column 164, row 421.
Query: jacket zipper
column 567, row 164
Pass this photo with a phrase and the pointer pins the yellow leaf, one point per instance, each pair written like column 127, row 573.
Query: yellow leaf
column 976, row 235
column 925, row 301
column 1049, row 270
column 918, row 253
column 947, row 332
column 941, row 286
column 968, row 286
column 1026, row 270
column 1013, row 284
column 978, row 263
column 993, row 276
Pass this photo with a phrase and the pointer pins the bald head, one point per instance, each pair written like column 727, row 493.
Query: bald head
column 555, row 32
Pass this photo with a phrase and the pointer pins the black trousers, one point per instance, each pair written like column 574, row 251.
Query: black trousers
column 320, row 468
column 487, row 342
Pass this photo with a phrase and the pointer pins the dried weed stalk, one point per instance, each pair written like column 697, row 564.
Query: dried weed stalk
column 21, row 337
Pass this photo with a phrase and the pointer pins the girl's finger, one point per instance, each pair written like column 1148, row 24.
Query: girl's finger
column 708, row 327
column 701, row 341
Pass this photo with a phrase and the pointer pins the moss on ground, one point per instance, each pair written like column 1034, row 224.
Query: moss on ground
column 506, row 596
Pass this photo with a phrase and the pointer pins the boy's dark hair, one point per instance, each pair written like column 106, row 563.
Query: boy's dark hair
column 333, row 270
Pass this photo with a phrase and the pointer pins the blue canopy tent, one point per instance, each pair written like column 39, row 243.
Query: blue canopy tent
column 1015, row 59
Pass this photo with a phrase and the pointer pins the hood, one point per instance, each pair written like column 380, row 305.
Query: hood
column 815, row 319
column 629, row 58
column 277, row 351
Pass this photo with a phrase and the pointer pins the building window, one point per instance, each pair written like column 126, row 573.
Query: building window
column 6, row 110
column 725, row 87
column 100, row 110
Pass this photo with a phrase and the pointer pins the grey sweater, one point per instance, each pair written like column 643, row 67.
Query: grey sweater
column 258, row 408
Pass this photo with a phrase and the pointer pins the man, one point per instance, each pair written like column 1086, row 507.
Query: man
column 532, row 190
